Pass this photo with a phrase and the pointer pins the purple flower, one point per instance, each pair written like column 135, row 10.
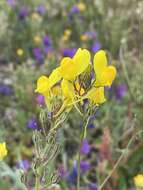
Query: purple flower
column 85, row 166
column 74, row 10
column 69, row 52
column 92, row 186
column 32, row 124
column 11, row 2
column 90, row 34
column 38, row 54
column 5, row 90
column 72, row 177
column 91, row 122
column 62, row 172
column 41, row 9
column 23, row 13
column 85, row 148
column 24, row 164
column 95, row 47
column 120, row 91
column 46, row 41
column 40, row 99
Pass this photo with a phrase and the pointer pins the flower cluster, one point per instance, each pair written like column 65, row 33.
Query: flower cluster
column 69, row 80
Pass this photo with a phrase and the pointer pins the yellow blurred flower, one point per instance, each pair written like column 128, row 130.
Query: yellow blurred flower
column 67, row 32
column 36, row 16
column 37, row 39
column 104, row 74
column 3, row 150
column 138, row 181
column 81, row 6
column 20, row 52
column 84, row 37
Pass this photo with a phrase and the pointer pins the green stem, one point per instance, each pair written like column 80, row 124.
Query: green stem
column 83, row 135
column 37, row 184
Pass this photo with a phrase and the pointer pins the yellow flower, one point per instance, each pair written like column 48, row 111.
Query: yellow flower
column 37, row 39
column 96, row 95
column 84, row 37
column 80, row 90
column 36, row 17
column 81, row 6
column 104, row 74
column 70, row 68
column 20, row 52
column 67, row 32
column 3, row 150
column 67, row 90
column 138, row 181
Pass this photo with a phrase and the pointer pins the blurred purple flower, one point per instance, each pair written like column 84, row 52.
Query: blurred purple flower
column 24, row 164
column 92, row 186
column 5, row 89
column 62, row 172
column 11, row 2
column 72, row 177
column 40, row 99
column 85, row 148
column 91, row 122
column 23, row 13
column 120, row 91
column 95, row 47
column 69, row 52
column 32, row 124
column 84, row 166
column 41, row 9
column 46, row 41
column 90, row 34
column 38, row 54
column 74, row 10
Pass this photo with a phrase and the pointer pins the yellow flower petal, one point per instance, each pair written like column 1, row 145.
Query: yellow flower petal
column 42, row 85
column 54, row 77
column 81, row 60
column 67, row 69
column 96, row 95
column 107, row 76
column 67, row 89
column 3, row 150
column 138, row 181
column 100, row 62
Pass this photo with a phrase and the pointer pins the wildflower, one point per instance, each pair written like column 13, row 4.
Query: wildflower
column 24, row 164
column 41, row 9
column 104, row 74
column 67, row 32
column 46, row 41
column 81, row 6
column 74, row 10
column 96, row 47
column 20, row 52
column 84, row 37
column 120, row 91
column 37, row 39
column 62, row 172
column 85, row 166
column 35, row 16
column 40, row 99
column 11, row 2
column 32, row 124
column 3, row 150
column 5, row 89
column 96, row 95
column 38, row 54
column 138, row 181
column 23, row 13
column 92, row 186
column 69, row 52
column 85, row 148
column 70, row 68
